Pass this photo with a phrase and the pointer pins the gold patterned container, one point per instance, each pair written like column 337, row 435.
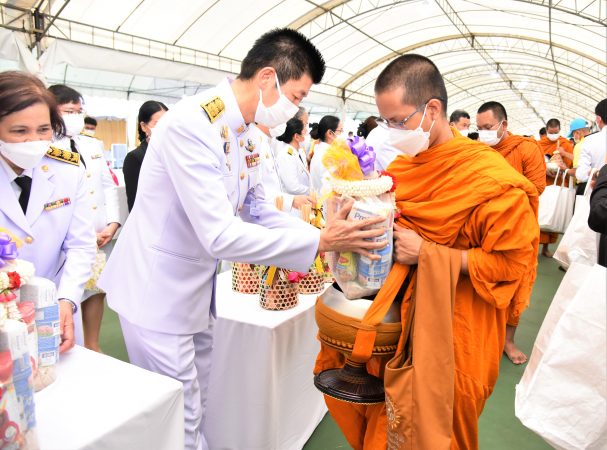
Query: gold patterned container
column 245, row 278
column 312, row 283
column 282, row 294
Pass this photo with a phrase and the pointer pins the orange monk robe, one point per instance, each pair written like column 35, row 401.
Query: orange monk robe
column 548, row 148
column 524, row 156
column 464, row 195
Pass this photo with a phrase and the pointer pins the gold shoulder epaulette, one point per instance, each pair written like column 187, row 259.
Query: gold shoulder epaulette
column 290, row 151
column 214, row 108
column 64, row 156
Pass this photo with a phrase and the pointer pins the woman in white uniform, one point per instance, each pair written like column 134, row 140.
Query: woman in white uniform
column 293, row 168
column 326, row 131
column 103, row 204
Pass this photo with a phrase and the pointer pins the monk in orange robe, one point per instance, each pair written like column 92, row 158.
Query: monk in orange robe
column 549, row 144
column 463, row 195
column 524, row 155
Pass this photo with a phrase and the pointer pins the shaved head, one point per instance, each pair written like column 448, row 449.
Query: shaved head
column 499, row 112
column 417, row 76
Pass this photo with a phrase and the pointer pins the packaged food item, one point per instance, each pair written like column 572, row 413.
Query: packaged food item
column 360, row 276
column 43, row 295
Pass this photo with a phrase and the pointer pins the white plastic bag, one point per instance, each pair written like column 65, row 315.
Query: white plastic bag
column 579, row 243
column 562, row 395
column 356, row 275
column 556, row 205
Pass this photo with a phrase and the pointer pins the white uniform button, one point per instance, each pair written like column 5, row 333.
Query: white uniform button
column 94, row 206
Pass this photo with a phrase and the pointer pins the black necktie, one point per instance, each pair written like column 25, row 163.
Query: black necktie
column 75, row 150
column 25, row 183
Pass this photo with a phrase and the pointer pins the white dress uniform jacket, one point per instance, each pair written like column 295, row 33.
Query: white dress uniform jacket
column 318, row 173
column 57, row 230
column 270, row 177
column 101, row 189
column 594, row 147
column 293, row 170
column 199, row 199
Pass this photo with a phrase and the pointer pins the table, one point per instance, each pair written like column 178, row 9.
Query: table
column 261, row 390
column 101, row 403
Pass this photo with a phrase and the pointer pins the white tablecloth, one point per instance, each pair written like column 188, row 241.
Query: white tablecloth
column 101, row 403
column 261, row 391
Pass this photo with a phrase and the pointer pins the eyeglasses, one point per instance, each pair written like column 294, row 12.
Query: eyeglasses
column 385, row 123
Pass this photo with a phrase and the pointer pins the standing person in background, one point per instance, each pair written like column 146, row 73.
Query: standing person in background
column 149, row 115
column 597, row 220
column 556, row 147
column 524, row 156
column 326, row 131
column 270, row 170
column 578, row 130
column 594, row 146
column 293, row 169
column 366, row 126
column 103, row 198
column 43, row 192
column 460, row 119
column 90, row 126
column 542, row 132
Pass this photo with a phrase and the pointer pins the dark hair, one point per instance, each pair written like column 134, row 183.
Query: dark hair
column 366, row 126
column 294, row 126
column 497, row 108
column 473, row 135
column 418, row 76
column 319, row 130
column 458, row 114
column 601, row 110
column 146, row 111
column 553, row 123
column 289, row 52
column 90, row 121
column 543, row 131
column 65, row 94
column 19, row 90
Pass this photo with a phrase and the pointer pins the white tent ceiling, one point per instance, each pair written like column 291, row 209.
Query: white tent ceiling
column 540, row 58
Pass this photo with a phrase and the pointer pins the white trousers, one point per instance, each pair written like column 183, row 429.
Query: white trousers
column 186, row 358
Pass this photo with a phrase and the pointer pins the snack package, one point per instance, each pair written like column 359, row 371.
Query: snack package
column 359, row 276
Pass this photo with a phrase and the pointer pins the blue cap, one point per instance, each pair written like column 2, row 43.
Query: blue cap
column 576, row 124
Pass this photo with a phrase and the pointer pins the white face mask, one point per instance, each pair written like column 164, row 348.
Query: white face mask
column 464, row 132
column 410, row 142
column 553, row 137
column 25, row 155
column 278, row 130
column 74, row 123
column 90, row 132
column 490, row 137
column 277, row 114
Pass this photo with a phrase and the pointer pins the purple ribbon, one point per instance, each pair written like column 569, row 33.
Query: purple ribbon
column 8, row 249
column 364, row 153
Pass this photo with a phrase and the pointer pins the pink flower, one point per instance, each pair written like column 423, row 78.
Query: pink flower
column 295, row 277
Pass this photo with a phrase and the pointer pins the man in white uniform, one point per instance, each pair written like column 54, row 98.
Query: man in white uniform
column 594, row 146
column 103, row 199
column 199, row 200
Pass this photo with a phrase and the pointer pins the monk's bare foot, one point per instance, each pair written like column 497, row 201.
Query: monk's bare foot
column 514, row 354
column 545, row 252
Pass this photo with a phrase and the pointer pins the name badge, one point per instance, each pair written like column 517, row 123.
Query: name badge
column 96, row 156
column 252, row 160
column 57, row 204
